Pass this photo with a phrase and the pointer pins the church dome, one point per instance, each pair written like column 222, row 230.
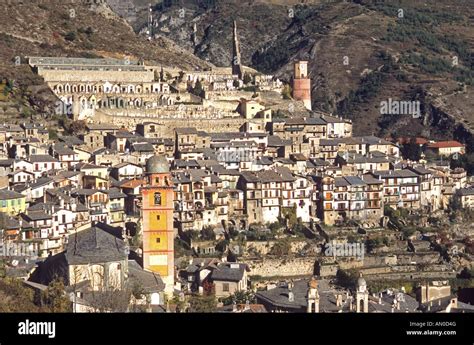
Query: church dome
column 157, row 165
column 361, row 281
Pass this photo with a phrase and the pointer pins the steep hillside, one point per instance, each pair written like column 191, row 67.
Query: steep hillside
column 69, row 28
column 360, row 53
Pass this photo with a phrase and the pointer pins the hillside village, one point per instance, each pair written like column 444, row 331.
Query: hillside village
column 221, row 190
column 251, row 208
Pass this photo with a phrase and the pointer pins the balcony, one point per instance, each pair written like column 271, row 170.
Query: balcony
column 96, row 204
column 116, row 208
column 98, row 211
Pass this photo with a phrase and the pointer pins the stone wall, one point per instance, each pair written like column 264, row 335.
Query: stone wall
column 273, row 267
column 96, row 76
column 224, row 105
column 380, row 264
column 168, row 125
column 230, row 95
column 412, row 275
column 264, row 247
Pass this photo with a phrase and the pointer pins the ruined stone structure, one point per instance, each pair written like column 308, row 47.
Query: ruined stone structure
column 86, row 85
column 126, row 93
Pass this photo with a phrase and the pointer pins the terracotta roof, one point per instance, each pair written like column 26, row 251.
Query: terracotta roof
column 444, row 144
column 132, row 184
column 407, row 140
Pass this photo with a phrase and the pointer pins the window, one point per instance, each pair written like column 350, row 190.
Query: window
column 157, row 198
column 225, row 287
column 158, row 217
column 158, row 240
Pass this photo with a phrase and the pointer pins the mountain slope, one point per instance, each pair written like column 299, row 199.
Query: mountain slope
column 77, row 29
column 360, row 53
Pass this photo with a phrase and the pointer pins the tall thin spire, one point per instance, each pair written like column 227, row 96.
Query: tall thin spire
column 150, row 22
column 236, row 59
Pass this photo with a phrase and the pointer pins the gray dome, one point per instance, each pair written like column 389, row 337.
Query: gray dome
column 361, row 281
column 157, row 165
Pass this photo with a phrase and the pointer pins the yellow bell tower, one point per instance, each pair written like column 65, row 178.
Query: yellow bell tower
column 157, row 221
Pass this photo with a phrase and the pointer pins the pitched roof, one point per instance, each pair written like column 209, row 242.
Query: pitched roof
column 407, row 140
column 278, row 297
column 148, row 281
column 95, row 245
column 6, row 194
column 369, row 179
column 115, row 193
column 71, row 140
column 63, row 150
column 6, row 162
column 275, row 141
column 42, row 181
column 186, row 130
column 143, row 147
column 36, row 215
column 466, row 191
column 395, row 173
column 229, row 272
column 445, row 144
column 42, row 158
column 86, row 166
